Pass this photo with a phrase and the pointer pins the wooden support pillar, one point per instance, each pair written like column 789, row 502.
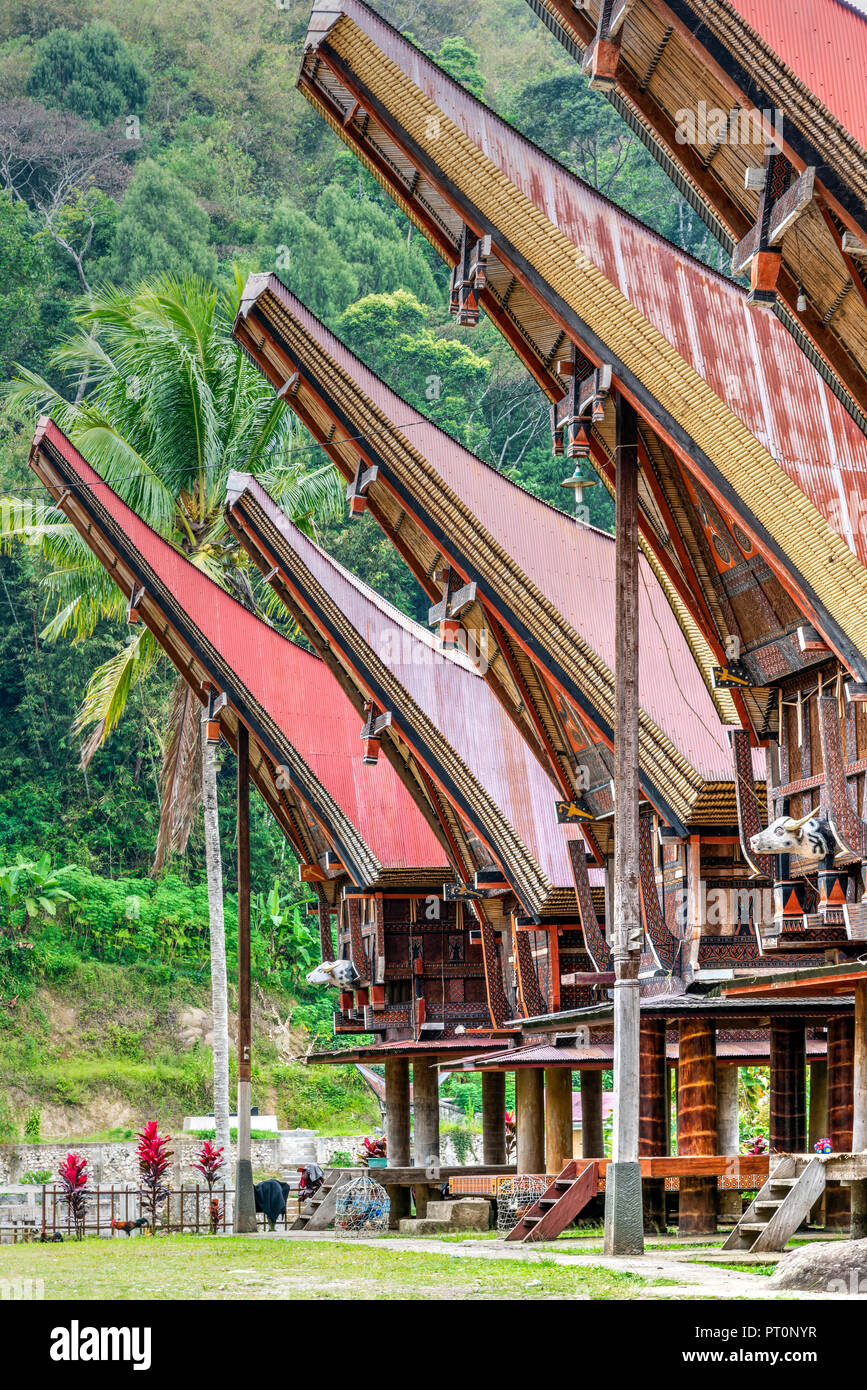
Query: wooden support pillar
column 696, row 1122
column 788, row 1086
column 493, row 1116
column 245, row 1202
column 592, row 1134
column 624, row 1234
column 728, row 1133
column 426, row 1126
column 818, row 1124
column 397, row 1131
column 841, row 1077
column 558, row 1118
column 652, row 1117
column 859, row 1110
column 530, row 1119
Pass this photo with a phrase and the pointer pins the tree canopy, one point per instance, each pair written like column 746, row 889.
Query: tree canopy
column 90, row 71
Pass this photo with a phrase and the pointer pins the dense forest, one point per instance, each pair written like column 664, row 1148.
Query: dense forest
column 145, row 141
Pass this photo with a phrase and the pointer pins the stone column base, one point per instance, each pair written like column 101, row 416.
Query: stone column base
column 245, row 1200
column 624, row 1217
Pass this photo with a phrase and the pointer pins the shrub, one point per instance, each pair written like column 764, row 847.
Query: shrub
column 36, row 1177
column 153, row 1162
column 462, row 1140
column 33, row 1127
column 73, row 1180
column 340, row 1159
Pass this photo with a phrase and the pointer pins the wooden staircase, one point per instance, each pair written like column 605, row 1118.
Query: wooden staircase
column 559, row 1204
column 785, row 1201
column 318, row 1213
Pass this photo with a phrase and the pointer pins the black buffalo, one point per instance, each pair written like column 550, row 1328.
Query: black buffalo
column 270, row 1198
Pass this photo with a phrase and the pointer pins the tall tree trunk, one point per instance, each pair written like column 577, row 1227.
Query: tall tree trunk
column 218, row 951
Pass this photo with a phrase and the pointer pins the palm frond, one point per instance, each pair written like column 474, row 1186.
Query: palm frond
column 109, row 687
column 181, row 775
column 319, row 493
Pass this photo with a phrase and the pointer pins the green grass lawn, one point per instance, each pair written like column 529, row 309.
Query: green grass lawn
column 192, row 1267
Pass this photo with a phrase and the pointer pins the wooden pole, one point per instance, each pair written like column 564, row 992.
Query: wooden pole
column 530, row 1119
column 728, row 1133
column 696, row 1122
column 841, row 1076
column 245, row 1204
column 818, row 1124
column 859, row 1110
column 624, row 1234
column 788, row 1086
column 426, row 1126
column 494, row 1117
column 397, row 1131
column 558, row 1118
column 592, row 1133
column 652, row 1117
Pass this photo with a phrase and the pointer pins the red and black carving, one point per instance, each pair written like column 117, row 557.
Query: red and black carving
column 848, row 827
column 749, row 821
column 597, row 946
column 663, row 945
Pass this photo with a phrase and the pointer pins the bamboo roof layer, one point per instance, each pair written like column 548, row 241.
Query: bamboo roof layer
column 549, row 578
column 726, row 389
column 452, row 732
column 794, row 73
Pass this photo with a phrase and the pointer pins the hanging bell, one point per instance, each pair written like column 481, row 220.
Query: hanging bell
column 802, row 300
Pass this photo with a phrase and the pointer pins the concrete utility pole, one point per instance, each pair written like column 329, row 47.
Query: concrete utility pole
column 624, row 1226
column 245, row 1203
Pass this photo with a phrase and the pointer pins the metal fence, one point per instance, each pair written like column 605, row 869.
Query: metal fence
column 186, row 1208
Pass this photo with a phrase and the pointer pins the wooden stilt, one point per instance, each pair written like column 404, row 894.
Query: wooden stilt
column 592, row 1137
column 652, row 1117
column 494, row 1116
column 245, row 1203
column 530, row 1119
column 426, row 1125
column 859, row 1110
column 623, row 1220
column 788, row 1086
column 817, row 1124
column 397, row 1131
column 696, row 1122
column 841, row 1076
column 558, row 1118
column 728, row 1133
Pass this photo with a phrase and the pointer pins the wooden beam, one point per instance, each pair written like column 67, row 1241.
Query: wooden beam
column 621, row 1236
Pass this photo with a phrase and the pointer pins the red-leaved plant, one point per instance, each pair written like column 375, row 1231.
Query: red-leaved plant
column 153, row 1161
column 209, row 1161
column 73, row 1180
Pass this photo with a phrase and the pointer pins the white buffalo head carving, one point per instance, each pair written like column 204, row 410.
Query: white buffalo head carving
column 811, row 837
column 340, row 974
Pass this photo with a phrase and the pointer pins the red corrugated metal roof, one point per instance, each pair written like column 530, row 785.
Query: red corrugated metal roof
column 749, row 359
column 291, row 684
column 453, row 696
column 573, row 566
column 824, row 42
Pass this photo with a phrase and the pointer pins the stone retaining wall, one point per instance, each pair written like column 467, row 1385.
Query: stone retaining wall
column 113, row 1161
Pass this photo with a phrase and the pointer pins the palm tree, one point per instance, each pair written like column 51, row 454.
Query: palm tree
column 171, row 406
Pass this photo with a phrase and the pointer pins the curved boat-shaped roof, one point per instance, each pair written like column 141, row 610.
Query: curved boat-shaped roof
column 300, row 717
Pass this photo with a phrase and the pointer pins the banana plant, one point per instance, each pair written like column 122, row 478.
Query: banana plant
column 287, row 931
column 32, row 885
